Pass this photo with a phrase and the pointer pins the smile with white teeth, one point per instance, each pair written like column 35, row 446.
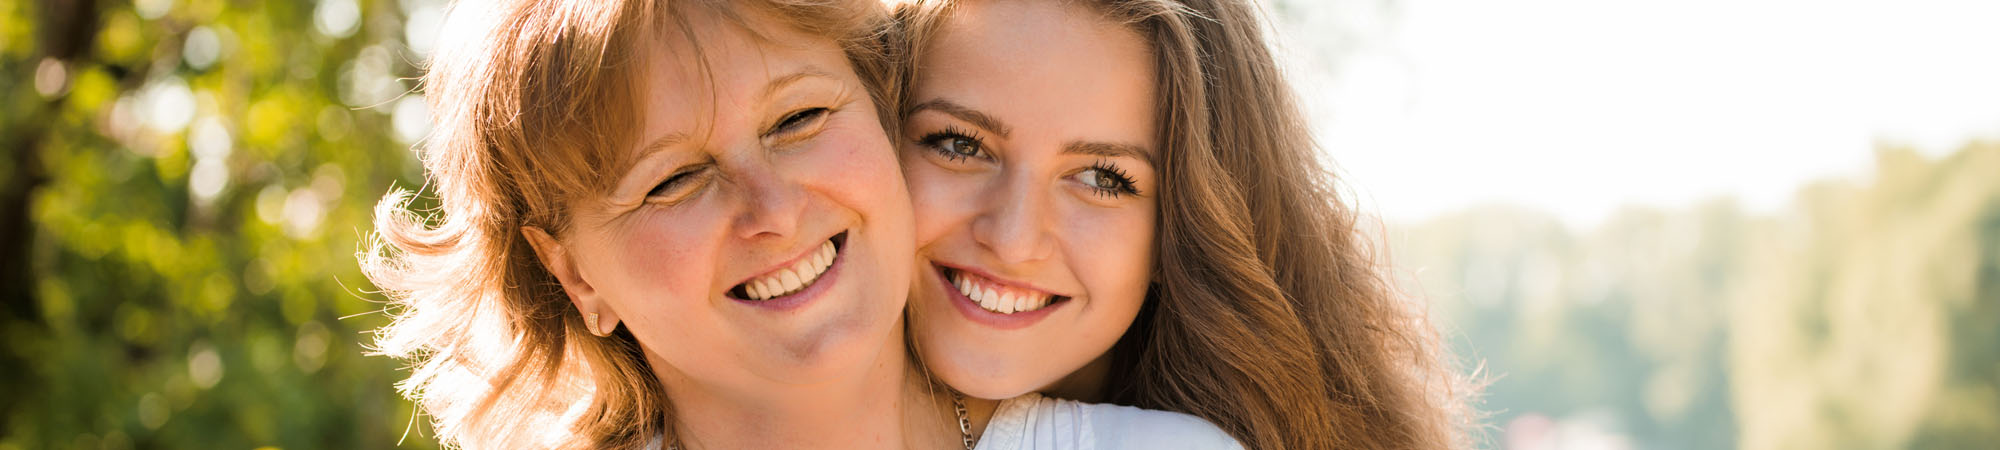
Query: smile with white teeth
column 996, row 297
column 790, row 280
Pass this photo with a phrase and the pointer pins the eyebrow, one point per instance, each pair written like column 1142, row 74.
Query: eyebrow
column 671, row 139
column 780, row 83
column 964, row 113
column 1108, row 150
column 638, row 162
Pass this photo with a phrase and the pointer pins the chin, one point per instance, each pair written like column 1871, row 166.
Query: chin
column 849, row 346
column 988, row 378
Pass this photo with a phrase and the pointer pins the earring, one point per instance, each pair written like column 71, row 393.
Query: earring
column 590, row 322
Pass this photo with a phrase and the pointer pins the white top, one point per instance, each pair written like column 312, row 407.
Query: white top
column 1034, row 422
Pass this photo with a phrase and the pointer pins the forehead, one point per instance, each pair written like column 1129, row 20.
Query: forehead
column 702, row 70
column 1044, row 65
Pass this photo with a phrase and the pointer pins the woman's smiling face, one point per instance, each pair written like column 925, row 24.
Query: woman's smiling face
column 763, row 232
column 1029, row 154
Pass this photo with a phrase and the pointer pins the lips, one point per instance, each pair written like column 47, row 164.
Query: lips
column 998, row 297
column 794, row 277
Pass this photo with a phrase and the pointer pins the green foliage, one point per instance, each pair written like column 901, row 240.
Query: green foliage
column 206, row 170
column 1865, row 317
column 1874, row 324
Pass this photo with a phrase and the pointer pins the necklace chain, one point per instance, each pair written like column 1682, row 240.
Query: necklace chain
column 957, row 407
column 964, row 421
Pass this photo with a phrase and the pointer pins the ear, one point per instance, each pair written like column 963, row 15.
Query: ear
column 559, row 263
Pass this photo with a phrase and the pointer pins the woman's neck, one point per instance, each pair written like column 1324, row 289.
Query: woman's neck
column 1086, row 384
column 889, row 406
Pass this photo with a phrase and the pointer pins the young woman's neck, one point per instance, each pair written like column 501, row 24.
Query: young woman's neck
column 890, row 406
column 1086, row 384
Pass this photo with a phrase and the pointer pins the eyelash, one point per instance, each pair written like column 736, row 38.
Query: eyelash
column 793, row 121
column 676, row 179
column 1125, row 185
column 935, row 140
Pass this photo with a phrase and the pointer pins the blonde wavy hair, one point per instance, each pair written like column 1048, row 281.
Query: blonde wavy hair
column 533, row 103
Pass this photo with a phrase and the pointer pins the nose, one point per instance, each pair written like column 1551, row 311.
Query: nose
column 773, row 202
column 1014, row 225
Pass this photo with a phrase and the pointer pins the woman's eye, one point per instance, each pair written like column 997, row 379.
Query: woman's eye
column 799, row 119
column 954, row 145
column 678, row 183
column 1107, row 180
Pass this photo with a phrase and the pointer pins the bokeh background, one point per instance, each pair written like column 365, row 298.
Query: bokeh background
column 1757, row 224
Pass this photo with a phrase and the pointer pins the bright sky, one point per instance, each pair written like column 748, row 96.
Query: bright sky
column 1580, row 106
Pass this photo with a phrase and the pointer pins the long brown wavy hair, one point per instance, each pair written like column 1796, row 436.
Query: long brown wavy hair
column 534, row 103
column 1271, row 314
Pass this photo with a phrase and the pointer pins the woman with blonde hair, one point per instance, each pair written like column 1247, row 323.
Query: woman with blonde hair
column 1118, row 201
column 661, row 223
column 669, row 224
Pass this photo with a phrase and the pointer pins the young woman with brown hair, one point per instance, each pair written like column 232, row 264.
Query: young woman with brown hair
column 1119, row 201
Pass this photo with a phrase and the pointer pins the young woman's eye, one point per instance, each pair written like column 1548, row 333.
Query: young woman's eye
column 954, row 145
column 1107, row 179
column 679, row 184
column 798, row 120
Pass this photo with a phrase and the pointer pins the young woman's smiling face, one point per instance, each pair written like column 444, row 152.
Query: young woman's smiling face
column 1028, row 150
column 763, row 232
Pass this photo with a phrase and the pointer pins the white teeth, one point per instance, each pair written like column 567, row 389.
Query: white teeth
column 792, row 278
column 770, row 287
column 999, row 299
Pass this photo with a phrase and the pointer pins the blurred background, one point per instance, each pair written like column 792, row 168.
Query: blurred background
column 1690, row 224
column 184, row 188
column 1754, row 224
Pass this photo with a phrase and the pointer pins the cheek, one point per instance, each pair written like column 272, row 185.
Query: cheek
column 858, row 166
column 1111, row 251
column 942, row 200
column 668, row 260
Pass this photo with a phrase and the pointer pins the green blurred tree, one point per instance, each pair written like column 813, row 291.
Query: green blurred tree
column 1875, row 319
column 182, row 197
column 1868, row 316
